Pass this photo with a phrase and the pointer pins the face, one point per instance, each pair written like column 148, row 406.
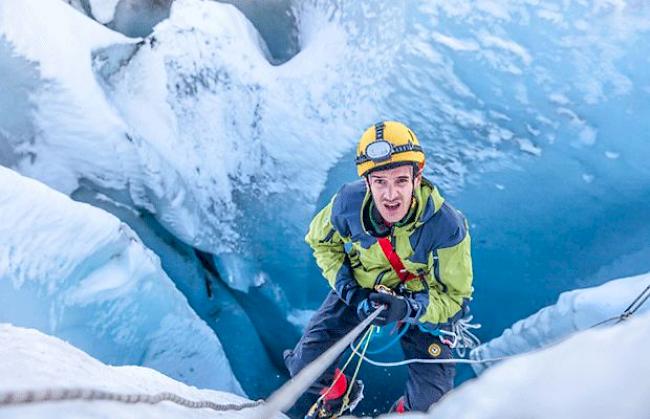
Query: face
column 392, row 191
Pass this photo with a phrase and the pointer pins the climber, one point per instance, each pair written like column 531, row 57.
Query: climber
column 389, row 231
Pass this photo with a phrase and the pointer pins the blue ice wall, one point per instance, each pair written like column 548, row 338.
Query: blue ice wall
column 536, row 121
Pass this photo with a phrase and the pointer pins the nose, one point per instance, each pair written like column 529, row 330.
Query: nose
column 391, row 192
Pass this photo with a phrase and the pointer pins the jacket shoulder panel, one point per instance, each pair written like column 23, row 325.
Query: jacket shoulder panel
column 346, row 209
column 446, row 228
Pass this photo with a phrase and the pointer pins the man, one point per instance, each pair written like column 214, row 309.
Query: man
column 392, row 210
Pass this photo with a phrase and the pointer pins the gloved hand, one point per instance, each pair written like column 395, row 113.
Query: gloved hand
column 397, row 308
column 352, row 293
column 359, row 295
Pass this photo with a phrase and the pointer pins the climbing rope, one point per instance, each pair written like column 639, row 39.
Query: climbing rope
column 460, row 338
column 283, row 398
column 346, row 398
column 428, row 361
column 286, row 396
column 13, row 398
column 390, row 343
column 630, row 310
column 468, row 338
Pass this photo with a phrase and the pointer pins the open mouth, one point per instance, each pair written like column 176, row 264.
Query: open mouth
column 392, row 206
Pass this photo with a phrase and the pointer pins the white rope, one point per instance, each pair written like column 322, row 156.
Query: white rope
column 12, row 398
column 464, row 337
column 429, row 361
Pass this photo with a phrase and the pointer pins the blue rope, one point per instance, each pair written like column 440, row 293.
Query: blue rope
column 402, row 332
column 391, row 342
column 429, row 330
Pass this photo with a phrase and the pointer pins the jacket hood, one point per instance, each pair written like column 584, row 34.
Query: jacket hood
column 429, row 201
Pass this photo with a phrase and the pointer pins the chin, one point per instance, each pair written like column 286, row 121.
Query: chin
column 392, row 219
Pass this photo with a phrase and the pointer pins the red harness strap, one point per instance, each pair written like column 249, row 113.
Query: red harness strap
column 395, row 261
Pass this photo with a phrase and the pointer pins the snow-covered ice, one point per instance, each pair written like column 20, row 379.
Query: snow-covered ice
column 219, row 157
column 39, row 362
column 600, row 373
column 574, row 311
column 77, row 272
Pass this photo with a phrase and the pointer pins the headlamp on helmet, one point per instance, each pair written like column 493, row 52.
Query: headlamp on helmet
column 386, row 144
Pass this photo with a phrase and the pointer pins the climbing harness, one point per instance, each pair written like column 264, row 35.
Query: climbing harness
column 460, row 337
column 395, row 262
column 13, row 398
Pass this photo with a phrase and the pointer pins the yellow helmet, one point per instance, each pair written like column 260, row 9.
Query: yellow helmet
column 387, row 143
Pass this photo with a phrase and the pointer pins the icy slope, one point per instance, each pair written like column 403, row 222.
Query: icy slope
column 574, row 311
column 179, row 124
column 192, row 126
column 35, row 361
column 77, row 272
column 600, row 373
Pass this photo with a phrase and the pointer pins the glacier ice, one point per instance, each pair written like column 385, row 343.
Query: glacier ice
column 77, row 272
column 167, row 110
column 104, row 10
column 46, row 362
column 533, row 114
column 596, row 373
column 574, row 311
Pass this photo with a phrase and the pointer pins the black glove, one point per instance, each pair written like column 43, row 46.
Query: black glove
column 352, row 293
column 397, row 308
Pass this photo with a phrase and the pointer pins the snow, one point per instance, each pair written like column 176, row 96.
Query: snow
column 156, row 119
column 45, row 362
column 196, row 138
column 515, row 388
column 574, row 311
column 103, row 10
column 488, row 40
column 600, row 373
column 67, row 122
column 77, row 272
column 453, row 43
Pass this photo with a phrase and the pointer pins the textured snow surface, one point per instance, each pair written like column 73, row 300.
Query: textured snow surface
column 545, row 103
column 574, row 311
column 182, row 121
column 600, row 373
column 103, row 10
column 35, row 361
column 196, row 126
column 77, row 272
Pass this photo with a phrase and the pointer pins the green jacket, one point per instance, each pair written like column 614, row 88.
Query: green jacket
column 434, row 244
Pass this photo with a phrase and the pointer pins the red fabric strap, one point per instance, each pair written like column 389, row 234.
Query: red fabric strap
column 337, row 389
column 395, row 261
column 400, row 408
